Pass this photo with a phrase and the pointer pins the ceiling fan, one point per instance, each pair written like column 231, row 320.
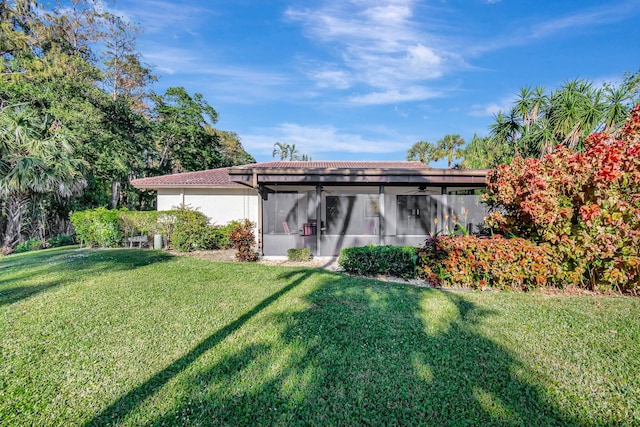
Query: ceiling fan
column 421, row 190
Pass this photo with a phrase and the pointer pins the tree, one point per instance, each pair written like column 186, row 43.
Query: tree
column 538, row 121
column 48, row 68
column 423, row 151
column 294, row 154
column 123, row 72
column 483, row 153
column 183, row 142
column 447, row 147
column 288, row 152
column 280, row 149
column 37, row 160
column 231, row 149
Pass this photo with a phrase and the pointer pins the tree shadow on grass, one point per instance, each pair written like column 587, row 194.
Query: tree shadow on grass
column 117, row 411
column 363, row 352
column 62, row 266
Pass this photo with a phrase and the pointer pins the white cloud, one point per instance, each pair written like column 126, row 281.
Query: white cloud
column 594, row 16
column 378, row 48
column 487, row 110
column 160, row 16
column 391, row 96
column 585, row 18
column 328, row 78
column 318, row 141
column 170, row 60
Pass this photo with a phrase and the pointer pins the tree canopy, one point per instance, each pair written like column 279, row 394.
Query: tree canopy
column 78, row 113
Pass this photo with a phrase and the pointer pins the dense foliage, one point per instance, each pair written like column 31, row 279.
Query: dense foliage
column 446, row 148
column 78, row 119
column 98, row 227
column 397, row 261
column 192, row 231
column 539, row 120
column 243, row 239
column 585, row 204
column 182, row 229
column 480, row 262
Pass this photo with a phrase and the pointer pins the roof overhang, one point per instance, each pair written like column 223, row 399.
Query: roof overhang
column 155, row 186
column 254, row 177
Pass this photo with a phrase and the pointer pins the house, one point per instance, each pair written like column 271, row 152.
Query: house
column 329, row 205
column 210, row 191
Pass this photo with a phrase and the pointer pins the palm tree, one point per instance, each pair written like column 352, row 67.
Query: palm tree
column 423, row 151
column 575, row 111
column 36, row 162
column 281, row 149
column 293, row 153
column 448, row 147
column 616, row 107
column 288, row 152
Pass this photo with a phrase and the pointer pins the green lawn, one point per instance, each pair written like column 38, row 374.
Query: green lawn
column 134, row 337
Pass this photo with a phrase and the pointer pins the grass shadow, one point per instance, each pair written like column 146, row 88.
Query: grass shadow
column 127, row 403
column 363, row 352
column 22, row 274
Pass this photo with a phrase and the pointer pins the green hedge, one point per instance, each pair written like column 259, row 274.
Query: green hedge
column 398, row 261
column 98, row 227
column 183, row 229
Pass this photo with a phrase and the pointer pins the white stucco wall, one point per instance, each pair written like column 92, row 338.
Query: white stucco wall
column 220, row 205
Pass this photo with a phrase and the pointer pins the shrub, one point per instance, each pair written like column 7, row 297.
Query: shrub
column 61, row 240
column 32, row 244
column 244, row 241
column 98, row 227
column 183, row 228
column 371, row 260
column 479, row 262
column 192, row 231
column 303, row 254
column 585, row 204
column 139, row 223
column 223, row 232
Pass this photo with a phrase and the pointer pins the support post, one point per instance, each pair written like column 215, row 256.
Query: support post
column 261, row 198
column 382, row 229
column 318, row 220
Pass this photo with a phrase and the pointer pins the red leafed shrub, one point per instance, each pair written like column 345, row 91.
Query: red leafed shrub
column 585, row 204
column 497, row 262
column 244, row 241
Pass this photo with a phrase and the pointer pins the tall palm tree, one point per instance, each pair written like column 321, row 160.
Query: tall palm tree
column 37, row 161
column 293, row 153
column 281, row 149
column 448, row 147
column 423, row 151
column 483, row 153
column 288, row 152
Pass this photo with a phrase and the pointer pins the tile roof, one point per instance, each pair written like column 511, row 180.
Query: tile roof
column 206, row 178
column 290, row 169
column 335, row 165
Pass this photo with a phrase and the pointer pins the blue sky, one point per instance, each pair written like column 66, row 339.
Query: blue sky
column 365, row 79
